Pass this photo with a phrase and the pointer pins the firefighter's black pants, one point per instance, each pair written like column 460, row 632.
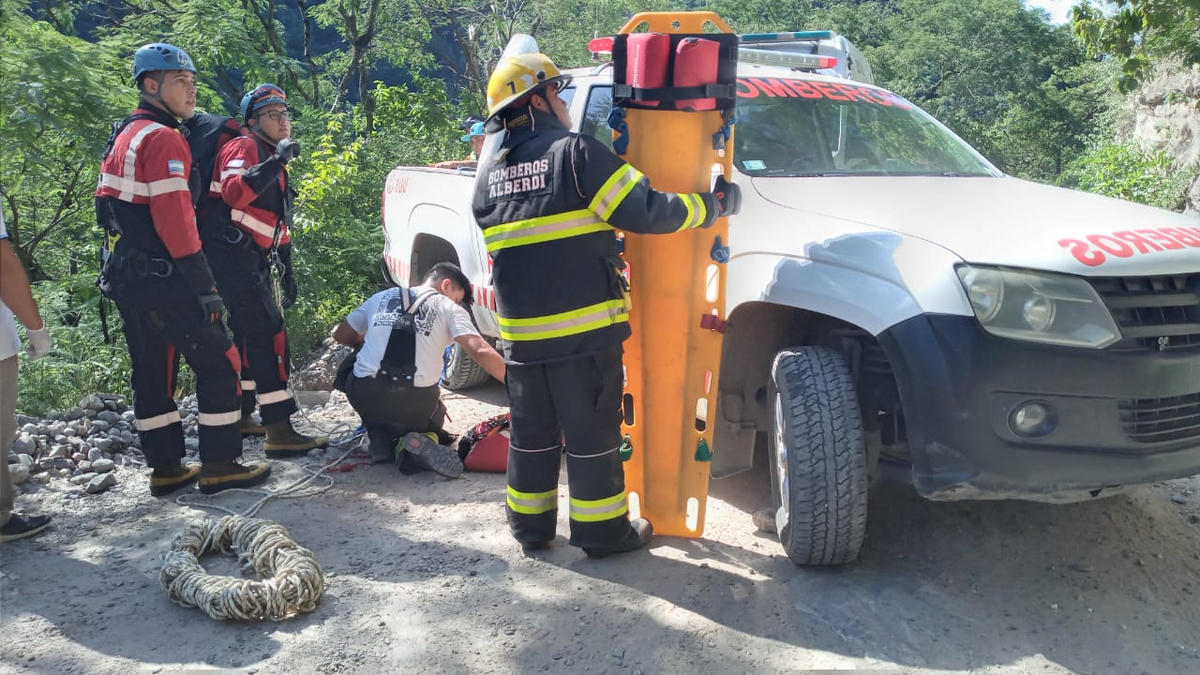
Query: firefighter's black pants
column 244, row 281
column 577, row 400
column 158, row 330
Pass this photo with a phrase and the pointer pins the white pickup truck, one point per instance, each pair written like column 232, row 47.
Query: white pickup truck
column 891, row 294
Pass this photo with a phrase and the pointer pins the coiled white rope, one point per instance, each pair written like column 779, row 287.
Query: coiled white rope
column 290, row 580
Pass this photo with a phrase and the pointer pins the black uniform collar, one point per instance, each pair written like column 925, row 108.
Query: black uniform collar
column 529, row 122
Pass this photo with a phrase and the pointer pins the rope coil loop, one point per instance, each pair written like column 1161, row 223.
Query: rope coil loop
column 290, row 579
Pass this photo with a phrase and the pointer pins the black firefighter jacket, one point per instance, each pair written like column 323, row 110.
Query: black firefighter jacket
column 549, row 203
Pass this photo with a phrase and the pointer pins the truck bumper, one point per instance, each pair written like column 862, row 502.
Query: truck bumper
column 1120, row 419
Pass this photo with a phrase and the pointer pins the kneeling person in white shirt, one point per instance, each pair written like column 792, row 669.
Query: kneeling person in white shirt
column 402, row 334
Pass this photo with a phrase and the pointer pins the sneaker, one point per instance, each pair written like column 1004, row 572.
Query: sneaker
column 284, row 441
column 251, row 427
column 217, row 476
column 164, row 481
column 640, row 532
column 19, row 527
column 435, row 457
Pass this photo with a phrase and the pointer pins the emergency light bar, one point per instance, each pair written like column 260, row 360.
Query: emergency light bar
column 767, row 57
column 796, row 36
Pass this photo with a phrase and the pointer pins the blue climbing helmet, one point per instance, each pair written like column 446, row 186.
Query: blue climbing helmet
column 160, row 56
column 262, row 95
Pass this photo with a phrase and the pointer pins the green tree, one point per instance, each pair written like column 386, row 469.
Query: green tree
column 1136, row 32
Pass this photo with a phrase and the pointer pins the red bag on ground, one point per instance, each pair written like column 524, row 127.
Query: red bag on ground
column 485, row 447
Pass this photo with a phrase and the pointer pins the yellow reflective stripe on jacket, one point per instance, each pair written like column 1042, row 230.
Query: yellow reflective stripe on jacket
column 614, row 191
column 595, row 510
column 544, row 228
column 532, row 503
column 574, row 322
column 695, row 211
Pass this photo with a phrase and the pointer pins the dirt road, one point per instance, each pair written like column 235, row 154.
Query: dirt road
column 423, row 578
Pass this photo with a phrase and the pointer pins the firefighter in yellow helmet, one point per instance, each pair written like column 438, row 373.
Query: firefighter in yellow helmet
column 549, row 202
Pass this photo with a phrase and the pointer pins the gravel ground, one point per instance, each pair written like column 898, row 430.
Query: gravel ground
column 423, row 578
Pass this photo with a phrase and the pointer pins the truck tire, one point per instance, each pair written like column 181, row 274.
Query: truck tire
column 463, row 372
column 818, row 457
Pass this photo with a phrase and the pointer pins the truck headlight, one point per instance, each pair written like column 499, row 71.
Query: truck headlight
column 1038, row 306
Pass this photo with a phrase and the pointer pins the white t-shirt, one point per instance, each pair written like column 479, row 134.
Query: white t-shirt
column 10, row 344
column 439, row 322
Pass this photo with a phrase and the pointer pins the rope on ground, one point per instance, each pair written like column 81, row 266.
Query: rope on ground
column 290, row 579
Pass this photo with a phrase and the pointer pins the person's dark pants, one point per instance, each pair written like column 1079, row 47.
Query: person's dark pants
column 578, row 401
column 157, row 334
column 256, row 320
column 391, row 408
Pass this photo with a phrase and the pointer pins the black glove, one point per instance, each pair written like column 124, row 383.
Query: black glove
column 213, row 308
column 287, row 149
column 729, row 197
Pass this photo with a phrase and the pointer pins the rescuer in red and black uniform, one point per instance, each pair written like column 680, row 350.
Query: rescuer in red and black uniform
column 245, row 231
column 156, row 273
column 548, row 202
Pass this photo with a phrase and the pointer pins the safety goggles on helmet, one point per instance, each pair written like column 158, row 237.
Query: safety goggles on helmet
column 518, row 75
column 260, row 97
column 160, row 56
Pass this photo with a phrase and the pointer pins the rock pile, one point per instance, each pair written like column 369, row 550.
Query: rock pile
column 87, row 445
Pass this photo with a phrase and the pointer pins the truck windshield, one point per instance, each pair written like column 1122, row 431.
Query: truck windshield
column 815, row 128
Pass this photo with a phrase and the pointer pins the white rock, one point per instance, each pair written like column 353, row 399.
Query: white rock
column 25, row 444
column 43, row 477
column 83, row 478
column 92, row 402
column 18, row 472
column 103, row 465
column 101, row 483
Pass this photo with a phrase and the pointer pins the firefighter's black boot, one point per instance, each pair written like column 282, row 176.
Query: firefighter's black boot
column 284, row 441
column 165, row 481
column 217, row 476
column 251, row 426
column 640, row 532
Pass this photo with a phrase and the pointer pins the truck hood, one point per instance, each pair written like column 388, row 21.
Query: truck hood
column 1004, row 221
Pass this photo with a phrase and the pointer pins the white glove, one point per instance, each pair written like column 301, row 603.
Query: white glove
column 39, row 343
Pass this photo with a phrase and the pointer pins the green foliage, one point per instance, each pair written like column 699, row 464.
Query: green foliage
column 338, row 235
column 80, row 361
column 1127, row 172
column 1136, row 32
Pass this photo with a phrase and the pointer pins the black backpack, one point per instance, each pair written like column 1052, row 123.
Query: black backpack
column 207, row 133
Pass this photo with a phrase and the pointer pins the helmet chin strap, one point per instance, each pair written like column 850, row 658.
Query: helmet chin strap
column 157, row 98
column 258, row 132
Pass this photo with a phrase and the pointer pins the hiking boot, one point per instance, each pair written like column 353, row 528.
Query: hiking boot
column 217, row 476
column 164, row 481
column 284, row 441
column 19, row 527
column 426, row 452
column 640, row 531
column 251, row 426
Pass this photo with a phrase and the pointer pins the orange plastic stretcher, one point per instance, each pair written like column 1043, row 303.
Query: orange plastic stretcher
column 673, row 359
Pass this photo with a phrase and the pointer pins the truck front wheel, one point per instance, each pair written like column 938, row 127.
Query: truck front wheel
column 818, row 457
column 462, row 371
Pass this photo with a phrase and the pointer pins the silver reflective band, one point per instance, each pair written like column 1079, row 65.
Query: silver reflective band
column 158, row 421
column 219, row 419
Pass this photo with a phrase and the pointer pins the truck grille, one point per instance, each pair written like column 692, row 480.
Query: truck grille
column 1155, row 420
column 1154, row 313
